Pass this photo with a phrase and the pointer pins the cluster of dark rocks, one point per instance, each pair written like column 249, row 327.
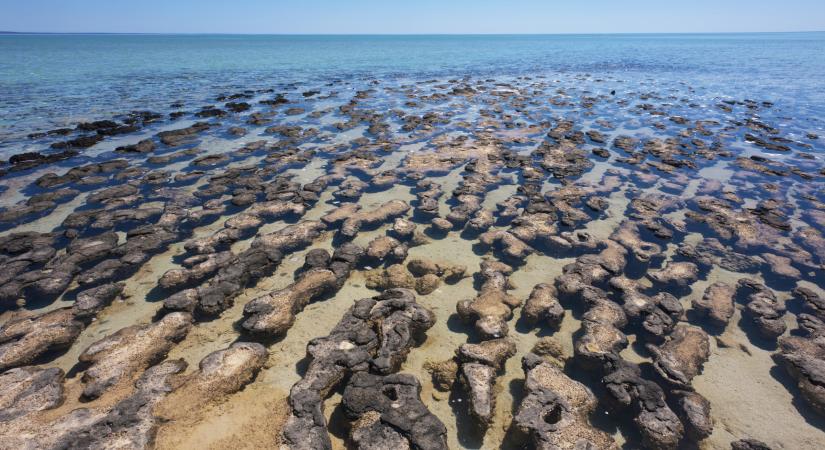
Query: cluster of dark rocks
column 766, row 219
column 365, row 350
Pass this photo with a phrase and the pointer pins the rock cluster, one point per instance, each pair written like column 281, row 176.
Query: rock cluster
column 274, row 313
column 373, row 338
column 423, row 276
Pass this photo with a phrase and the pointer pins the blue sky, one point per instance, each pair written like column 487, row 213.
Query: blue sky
column 410, row 16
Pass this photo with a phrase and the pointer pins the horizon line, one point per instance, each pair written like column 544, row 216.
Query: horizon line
column 193, row 33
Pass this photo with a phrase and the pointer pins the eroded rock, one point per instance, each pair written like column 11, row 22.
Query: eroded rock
column 120, row 356
column 658, row 424
column 493, row 306
column 374, row 336
column 555, row 411
column 681, row 357
column 24, row 339
column 397, row 407
column 480, row 366
column 27, row 390
column 716, row 303
column 543, row 307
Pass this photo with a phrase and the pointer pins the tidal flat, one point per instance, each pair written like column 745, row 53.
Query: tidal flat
column 568, row 261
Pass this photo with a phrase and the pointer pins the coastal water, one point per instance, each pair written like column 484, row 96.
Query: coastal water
column 54, row 80
column 642, row 166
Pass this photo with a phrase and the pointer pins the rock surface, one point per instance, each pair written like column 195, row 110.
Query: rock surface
column 556, row 410
column 120, row 356
column 374, row 336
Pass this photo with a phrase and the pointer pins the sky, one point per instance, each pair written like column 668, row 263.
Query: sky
column 410, row 16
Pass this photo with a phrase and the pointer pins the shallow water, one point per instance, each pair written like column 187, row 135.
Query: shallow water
column 522, row 88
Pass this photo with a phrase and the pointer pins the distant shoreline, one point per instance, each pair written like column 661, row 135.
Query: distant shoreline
column 104, row 33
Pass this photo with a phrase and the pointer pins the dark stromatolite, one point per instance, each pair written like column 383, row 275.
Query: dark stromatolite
column 658, row 424
column 395, row 403
column 219, row 292
column 266, row 252
column 804, row 360
column 91, row 301
column 694, row 411
column 656, row 314
column 374, row 336
column 749, row 444
column 56, row 275
column 177, row 137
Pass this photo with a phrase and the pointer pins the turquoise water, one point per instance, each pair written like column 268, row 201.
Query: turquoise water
column 54, row 80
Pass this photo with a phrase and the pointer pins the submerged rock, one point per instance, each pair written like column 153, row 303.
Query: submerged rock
column 694, row 410
column 512, row 246
column 749, row 444
column 764, row 309
column 91, row 301
column 804, row 359
column 386, row 247
column 354, row 219
column 174, row 138
column 812, row 302
column 677, row 273
column 628, row 235
column 422, row 275
column 480, row 365
column 602, row 339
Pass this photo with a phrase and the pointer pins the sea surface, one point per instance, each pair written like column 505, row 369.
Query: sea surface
column 55, row 80
column 646, row 166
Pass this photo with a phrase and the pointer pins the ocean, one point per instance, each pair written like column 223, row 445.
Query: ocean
column 54, row 80
column 465, row 242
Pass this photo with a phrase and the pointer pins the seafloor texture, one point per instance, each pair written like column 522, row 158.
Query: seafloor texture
column 473, row 263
